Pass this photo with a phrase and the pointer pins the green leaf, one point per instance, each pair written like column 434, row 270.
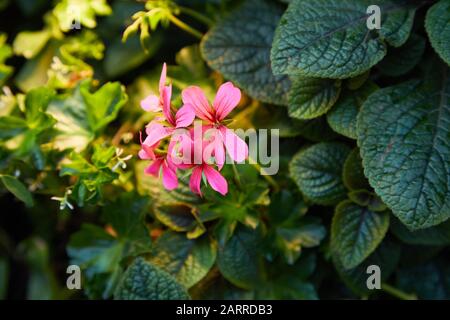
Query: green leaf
column 310, row 98
column 433, row 236
column 400, row 61
column 403, row 136
column 82, row 11
column 187, row 260
column 437, row 24
column 240, row 50
column 5, row 53
column 386, row 256
column 353, row 174
column 178, row 216
column 317, row 170
column 11, row 126
column 30, row 43
column 103, row 106
column 18, row 189
column 239, row 260
column 356, row 232
column 342, row 117
column 144, row 281
column 330, row 39
column 99, row 253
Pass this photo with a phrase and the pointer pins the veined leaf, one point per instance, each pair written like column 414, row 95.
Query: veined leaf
column 356, row 232
column 239, row 259
column 353, row 174
column 317, row 171
column 342, row 117
column 239, row 47
column 310, row 97
column 437, row 24
column 144, row 281
column 403, row 136
column 330, row 38
column 187, row 260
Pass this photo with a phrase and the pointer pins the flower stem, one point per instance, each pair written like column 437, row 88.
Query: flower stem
column 180, row 24
column 237, row 176
column 197, row 15
column 397, row 292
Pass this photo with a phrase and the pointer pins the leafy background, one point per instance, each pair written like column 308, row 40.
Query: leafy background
column 364, row 174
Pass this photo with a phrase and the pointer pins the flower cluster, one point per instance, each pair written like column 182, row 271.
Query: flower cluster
column 175, row 141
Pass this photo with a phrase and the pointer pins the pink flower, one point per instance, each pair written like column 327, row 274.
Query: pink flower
column 226, row 100
column 197, row 147
column 153, row 102
column 163, row 127
column 164, row 162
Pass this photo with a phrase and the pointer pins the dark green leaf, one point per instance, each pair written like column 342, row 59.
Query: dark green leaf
column 403, row 136
column 310, row 98
column 239, row 47
column 144, row 281
column 434, row 236
column 353, row 174
column 18, row 189
column 437, row 24
column 317, row 171
column 356, row 232
column 330, row 38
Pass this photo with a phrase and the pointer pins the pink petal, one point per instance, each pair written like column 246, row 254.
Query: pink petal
column 196, row 178
column 236, row 147
column 216, row 180
column 226, row 100
column 153, row 169
column 185, row 116
column 166, row 95
column 219, row 154
column 162, row 79
column 169, row 175
column 151, row 103
column 195, row 97
column 156, row 132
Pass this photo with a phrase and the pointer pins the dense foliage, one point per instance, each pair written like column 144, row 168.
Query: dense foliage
column 364, row 128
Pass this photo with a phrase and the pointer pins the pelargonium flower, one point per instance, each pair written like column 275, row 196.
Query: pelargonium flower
column 199, row 147
column 160, row 163
column 227, row 98
column 153, row 102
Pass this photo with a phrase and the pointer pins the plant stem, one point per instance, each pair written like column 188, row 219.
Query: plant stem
column 237, row 177
column 180, row 24
column 197, row 15
column 397, row 292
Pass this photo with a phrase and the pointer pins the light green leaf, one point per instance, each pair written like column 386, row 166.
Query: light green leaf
column 317, row 171
column 356, row 232
column 353, row 174
column 18, row 189
column 103, row 105
column 30, row 43
column 82, row 11
column 437, row 24
column 400, row 61
column 239, row 260
column 403, row 136
column 310, row 98
column 144, row 281
column 187, row 260
column 240, row 50
column 342, row 117
column 434, row 236
column 330, row 38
